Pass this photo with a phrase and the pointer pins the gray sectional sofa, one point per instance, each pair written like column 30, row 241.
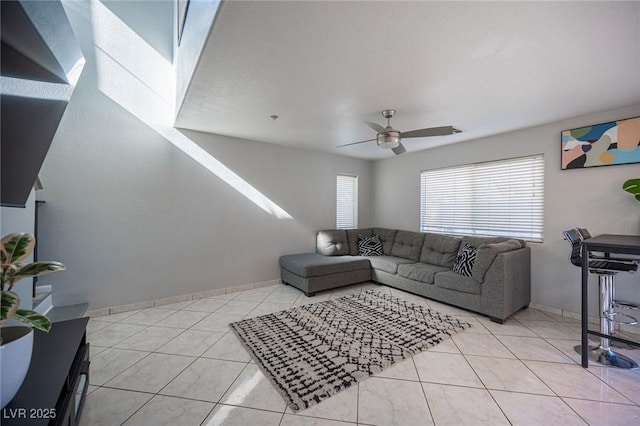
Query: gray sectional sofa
column 496, row 285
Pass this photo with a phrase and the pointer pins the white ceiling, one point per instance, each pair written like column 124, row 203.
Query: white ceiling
column 325, row 67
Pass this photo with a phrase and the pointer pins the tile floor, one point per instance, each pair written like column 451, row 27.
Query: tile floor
column 180, row 364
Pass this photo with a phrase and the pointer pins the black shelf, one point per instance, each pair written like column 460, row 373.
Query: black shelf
column 48, row 394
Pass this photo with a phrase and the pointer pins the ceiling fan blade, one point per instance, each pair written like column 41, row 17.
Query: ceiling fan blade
column 378, row 128
column 400, row 149
column 432, row 131
column 355, row 143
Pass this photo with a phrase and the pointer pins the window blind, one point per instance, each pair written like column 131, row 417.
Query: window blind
column 501, row 198
column 346, row 202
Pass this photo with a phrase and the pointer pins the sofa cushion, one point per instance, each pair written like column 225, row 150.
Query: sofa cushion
column 422, row 272
column 387, row 236
column 488, row 252
column 369, row 246
column 408, row 245
column 466, row 257
column 388, row 263
column 332, row 242
column 313, row 264
column 439, row 249
column 452, row 281
column 352, row 238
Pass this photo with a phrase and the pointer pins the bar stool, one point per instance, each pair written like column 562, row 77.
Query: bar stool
column 615, row 303
column 606, row 268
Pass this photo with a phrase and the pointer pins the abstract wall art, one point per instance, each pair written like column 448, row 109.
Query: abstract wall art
column 605, row 144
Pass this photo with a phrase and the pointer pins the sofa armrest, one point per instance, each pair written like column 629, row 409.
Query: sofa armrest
column 487, row 254
column 507, row 283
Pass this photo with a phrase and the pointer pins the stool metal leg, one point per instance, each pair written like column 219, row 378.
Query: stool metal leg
column 621, row 318
column 603, row 354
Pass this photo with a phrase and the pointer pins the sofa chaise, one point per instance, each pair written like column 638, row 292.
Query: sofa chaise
column 487, row 275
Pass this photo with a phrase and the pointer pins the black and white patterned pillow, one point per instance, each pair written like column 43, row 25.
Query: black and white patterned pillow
column 369, row 246
column 466, row 257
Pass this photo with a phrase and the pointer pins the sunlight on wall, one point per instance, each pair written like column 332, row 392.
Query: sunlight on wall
column 223, row 172
column 74, row 73
column 132, row 52
column 135, row 76
column 23, row 88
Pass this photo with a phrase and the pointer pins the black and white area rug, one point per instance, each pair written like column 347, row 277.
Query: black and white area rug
column 311, row 352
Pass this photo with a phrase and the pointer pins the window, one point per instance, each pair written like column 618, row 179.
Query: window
column 502, row 198
column 347, row 202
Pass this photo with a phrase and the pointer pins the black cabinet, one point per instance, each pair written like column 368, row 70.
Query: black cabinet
column 54, row 390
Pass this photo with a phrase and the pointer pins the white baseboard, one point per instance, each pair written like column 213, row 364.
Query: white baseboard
column 564, row 313
column 181, row 298
column 219, row 291
column 577, row 316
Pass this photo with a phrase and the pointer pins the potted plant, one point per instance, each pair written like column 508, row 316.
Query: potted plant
column 632, row 186
column 16, row 343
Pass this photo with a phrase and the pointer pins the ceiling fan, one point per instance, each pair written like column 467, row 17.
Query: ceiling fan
column 388, row 137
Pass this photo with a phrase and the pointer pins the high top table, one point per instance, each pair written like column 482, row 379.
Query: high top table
column 607, row 244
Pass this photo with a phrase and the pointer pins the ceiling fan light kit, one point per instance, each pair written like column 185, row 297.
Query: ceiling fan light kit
column 389, row 138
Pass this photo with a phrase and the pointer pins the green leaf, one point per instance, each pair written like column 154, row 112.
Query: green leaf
column 8, row 274
column 39, row 268
column 632, row 186
column 18, row 246
column 9, row 305
column 34, row 319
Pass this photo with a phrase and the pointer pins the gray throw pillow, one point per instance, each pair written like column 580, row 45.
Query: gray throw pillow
column 332, row 242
